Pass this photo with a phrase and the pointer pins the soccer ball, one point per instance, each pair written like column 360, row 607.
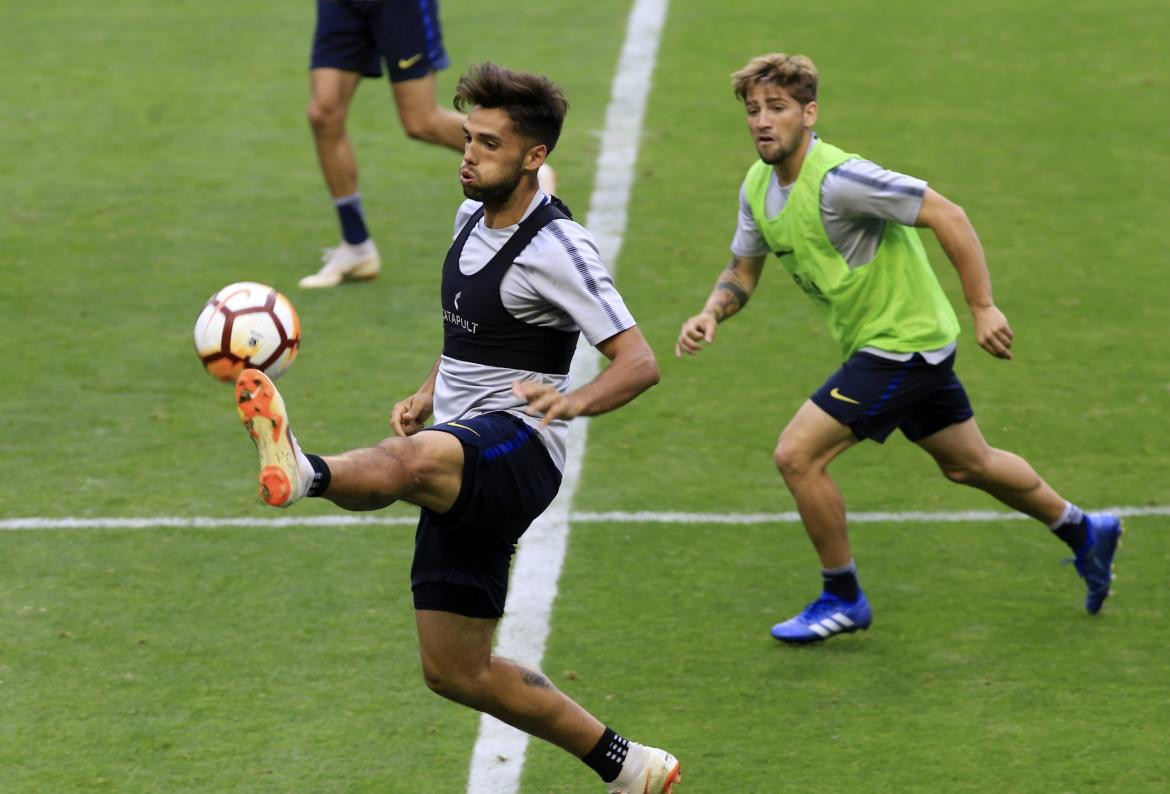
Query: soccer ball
column 247, row 325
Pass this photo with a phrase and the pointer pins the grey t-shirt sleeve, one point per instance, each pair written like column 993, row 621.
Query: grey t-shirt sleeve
column 861, row 189
column 747, row 242
column 560, row 282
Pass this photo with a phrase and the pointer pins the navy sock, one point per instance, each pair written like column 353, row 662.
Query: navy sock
column 353, row 220
column 607, row 756
column 1076, row 534
column 321, row 475
column 842, row 583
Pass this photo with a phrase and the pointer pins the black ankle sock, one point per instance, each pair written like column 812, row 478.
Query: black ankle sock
column 321, row 475
column 843, row 585
column 607, row 756
column 353, row 220
column 1076, row 535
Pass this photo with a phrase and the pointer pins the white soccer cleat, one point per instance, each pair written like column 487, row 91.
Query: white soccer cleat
column 345, row 263
column 285, row 472
column 659, row 773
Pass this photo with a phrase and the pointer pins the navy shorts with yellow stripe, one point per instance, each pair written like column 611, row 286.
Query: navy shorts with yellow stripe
column 872, row 396
column 462, row 556
column 357, row 35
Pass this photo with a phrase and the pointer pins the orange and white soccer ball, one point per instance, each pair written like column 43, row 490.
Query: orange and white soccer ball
column 247, row 325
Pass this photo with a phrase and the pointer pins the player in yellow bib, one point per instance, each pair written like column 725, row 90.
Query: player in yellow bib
column 843, row 228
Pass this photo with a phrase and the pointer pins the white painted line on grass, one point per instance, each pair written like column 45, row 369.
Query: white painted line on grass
column 862, row 517
column 498, row 756
column 616, row 517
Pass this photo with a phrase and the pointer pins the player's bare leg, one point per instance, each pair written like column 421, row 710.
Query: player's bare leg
column 421, row 116
column 965, row 457
column 807, row 445
column 424, row 120
column 355, row 258
column 458, row 664
column 331, row 92
column 425, row 469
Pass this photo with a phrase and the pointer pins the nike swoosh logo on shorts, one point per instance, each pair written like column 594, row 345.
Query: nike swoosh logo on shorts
column 837, row 395
column 406, row 63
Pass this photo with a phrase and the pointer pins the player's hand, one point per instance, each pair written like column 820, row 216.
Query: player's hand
column 544, row 401
column 993, row 332
column 695, row 331
column 410, row 415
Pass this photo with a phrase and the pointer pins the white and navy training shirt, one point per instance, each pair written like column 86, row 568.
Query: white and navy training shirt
column 557, row 281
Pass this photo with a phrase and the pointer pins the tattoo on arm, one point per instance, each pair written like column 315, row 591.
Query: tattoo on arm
column 535, row 679
column 731, row 298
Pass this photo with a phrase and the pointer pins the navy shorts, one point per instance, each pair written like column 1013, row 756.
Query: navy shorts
column 461, row 557
column 873, row 395
column 357, row 35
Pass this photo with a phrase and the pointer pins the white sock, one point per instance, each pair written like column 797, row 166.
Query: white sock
column 308, row 475
column 1071, row 515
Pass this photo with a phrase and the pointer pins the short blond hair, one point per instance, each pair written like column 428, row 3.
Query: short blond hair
column 794, row 73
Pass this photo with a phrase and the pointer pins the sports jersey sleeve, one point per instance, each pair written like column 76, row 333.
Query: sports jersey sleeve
column 560, row 282
column 747, row 242
column 465, row 211
column 862, row 189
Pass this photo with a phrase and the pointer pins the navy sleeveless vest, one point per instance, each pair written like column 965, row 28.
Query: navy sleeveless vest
column 477, row 327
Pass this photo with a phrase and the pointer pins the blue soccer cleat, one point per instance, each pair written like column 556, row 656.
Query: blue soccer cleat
column 824, row 618
column 1095, row 561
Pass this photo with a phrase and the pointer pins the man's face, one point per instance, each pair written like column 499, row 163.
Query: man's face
column 777, row 122
column 493, row 156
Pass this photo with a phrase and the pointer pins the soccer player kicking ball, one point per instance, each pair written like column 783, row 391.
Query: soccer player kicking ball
column 842, row 228
column 520, row 282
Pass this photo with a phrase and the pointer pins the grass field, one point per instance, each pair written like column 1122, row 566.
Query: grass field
column 150, row 154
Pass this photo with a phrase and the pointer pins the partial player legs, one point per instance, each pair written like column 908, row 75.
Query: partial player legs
column 331, row 92
column 356, row 257
column 421, row 116
column 965, row 457
column 457, row 663
column 806, row 447
column 425, row 469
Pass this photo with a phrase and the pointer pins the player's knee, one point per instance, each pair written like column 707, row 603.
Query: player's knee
column 401, row 462
column 421, row 126
column 437, row 681
column 964, row 473
column 325, row 116
column 450, row 681
column 791, row 460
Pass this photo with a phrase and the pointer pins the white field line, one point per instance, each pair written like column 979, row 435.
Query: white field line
column 617, row 517
column 498, row 756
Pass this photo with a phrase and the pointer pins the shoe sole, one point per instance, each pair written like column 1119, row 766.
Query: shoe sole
column 262, row 412
column 675, row 776
column 818, row 638
column 366, row 270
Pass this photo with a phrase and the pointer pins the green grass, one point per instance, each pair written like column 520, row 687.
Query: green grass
column 153, row 154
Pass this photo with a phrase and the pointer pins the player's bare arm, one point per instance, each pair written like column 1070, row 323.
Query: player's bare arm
column 958, row 239
column 410, row 415
column 632, row 369
column 732, row 291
